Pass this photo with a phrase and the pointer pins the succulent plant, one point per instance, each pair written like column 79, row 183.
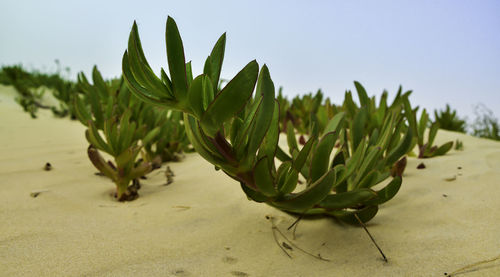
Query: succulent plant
column 239, row 134
column 426, row 149
column 113, row 131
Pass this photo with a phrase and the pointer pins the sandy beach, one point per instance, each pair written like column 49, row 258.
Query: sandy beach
column 445, row 216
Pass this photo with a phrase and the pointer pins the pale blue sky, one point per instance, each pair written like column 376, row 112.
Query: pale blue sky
column 445, row 51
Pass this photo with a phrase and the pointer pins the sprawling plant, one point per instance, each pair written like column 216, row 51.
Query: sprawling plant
column 113, row 131
column 239, row 133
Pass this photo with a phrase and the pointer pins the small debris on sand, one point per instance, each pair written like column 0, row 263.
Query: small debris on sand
column 35, row 193
column 451, row 178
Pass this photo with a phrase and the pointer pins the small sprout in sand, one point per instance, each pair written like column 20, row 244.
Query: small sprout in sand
column 459, row 145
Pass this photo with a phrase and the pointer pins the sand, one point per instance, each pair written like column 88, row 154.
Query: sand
column 203, row 225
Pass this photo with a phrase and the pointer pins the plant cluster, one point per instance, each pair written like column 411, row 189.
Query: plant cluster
column 126, row 128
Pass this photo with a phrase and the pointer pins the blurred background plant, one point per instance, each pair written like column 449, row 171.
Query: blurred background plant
column 32, row 86
column 485, row 124
column 448, row 120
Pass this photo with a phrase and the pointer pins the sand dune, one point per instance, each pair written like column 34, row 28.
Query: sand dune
column 203, row 225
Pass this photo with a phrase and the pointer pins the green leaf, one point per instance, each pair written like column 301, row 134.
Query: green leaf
column 264, row 116
column 347, row 199
column 349, row 104
column 263, row 178
column 208, row 92
column 364, row 215
column 81, row 111
column 215, row 60
column 363, row 96
column 410, row 115
column 252, row 194
column 291, row 180
column 368, row 163
column 358, row 127
column 281, row 174
column 387, row 193
column 100, row 163
column 301, row 159
column 270, row 142
column 369, row 180
column 248, row 121
column 99, row 83
column 355, row 160
column 422, row 125
column 126, row 159
column 198, row 143
column 335, row 123
column 235, row 130
column 309, row 197
column 140, row 170
column 402, row 148
column 443, row 149
column 176, row 60
column 432, row 134
column 96, row 140
column 151, row 135
column 321, row 157
column 291, row 139
column 189, row 73
column 139, row 91
column 196, row 96
column 231, row 99
column 140, row 67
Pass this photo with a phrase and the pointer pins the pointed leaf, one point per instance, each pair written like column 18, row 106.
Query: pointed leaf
column 176, row 60
column 231, row 99
column 263, row 178
column 309, row 197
